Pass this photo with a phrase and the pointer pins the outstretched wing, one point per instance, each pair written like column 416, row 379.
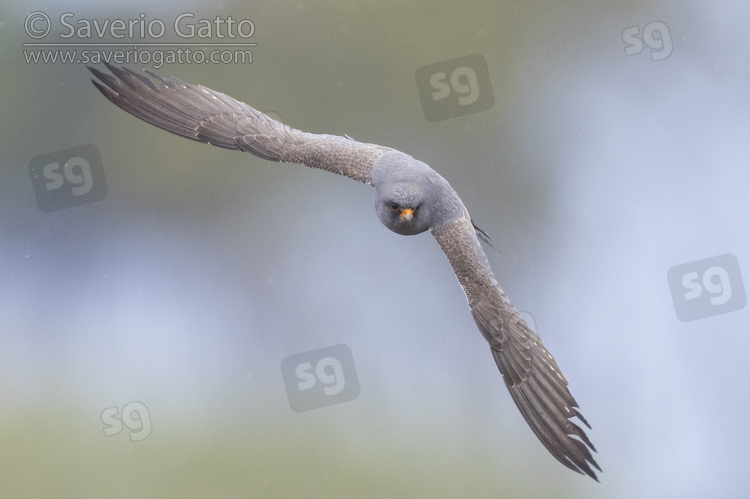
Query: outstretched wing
column 530, row 372
column 536, row 384
column 202, row 114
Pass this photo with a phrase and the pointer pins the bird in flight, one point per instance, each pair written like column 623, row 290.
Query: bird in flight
column 410, row 198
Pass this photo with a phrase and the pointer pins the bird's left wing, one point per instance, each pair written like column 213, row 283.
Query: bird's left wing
column 531, row 374
column 202, row 114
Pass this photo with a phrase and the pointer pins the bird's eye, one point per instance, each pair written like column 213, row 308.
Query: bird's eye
column 394, row 207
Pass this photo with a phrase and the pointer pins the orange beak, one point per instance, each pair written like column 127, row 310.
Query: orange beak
column 406, row 214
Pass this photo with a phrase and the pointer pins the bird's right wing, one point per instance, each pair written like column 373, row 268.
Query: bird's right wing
column 202, row 114
column 531, row 374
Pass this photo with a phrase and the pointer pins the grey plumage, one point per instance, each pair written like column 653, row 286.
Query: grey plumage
column 199, row 113
column 410, row 198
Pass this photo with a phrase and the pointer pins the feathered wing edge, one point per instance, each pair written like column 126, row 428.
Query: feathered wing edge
column 537, row 386
column 199, row 113
column 531, row 374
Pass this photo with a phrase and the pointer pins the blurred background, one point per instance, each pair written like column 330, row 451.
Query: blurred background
column 142, row 331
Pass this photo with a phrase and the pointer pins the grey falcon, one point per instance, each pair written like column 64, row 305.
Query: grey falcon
column 410, row 198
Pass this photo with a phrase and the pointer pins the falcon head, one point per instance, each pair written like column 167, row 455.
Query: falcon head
column 410, row 197
column 401, row 207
